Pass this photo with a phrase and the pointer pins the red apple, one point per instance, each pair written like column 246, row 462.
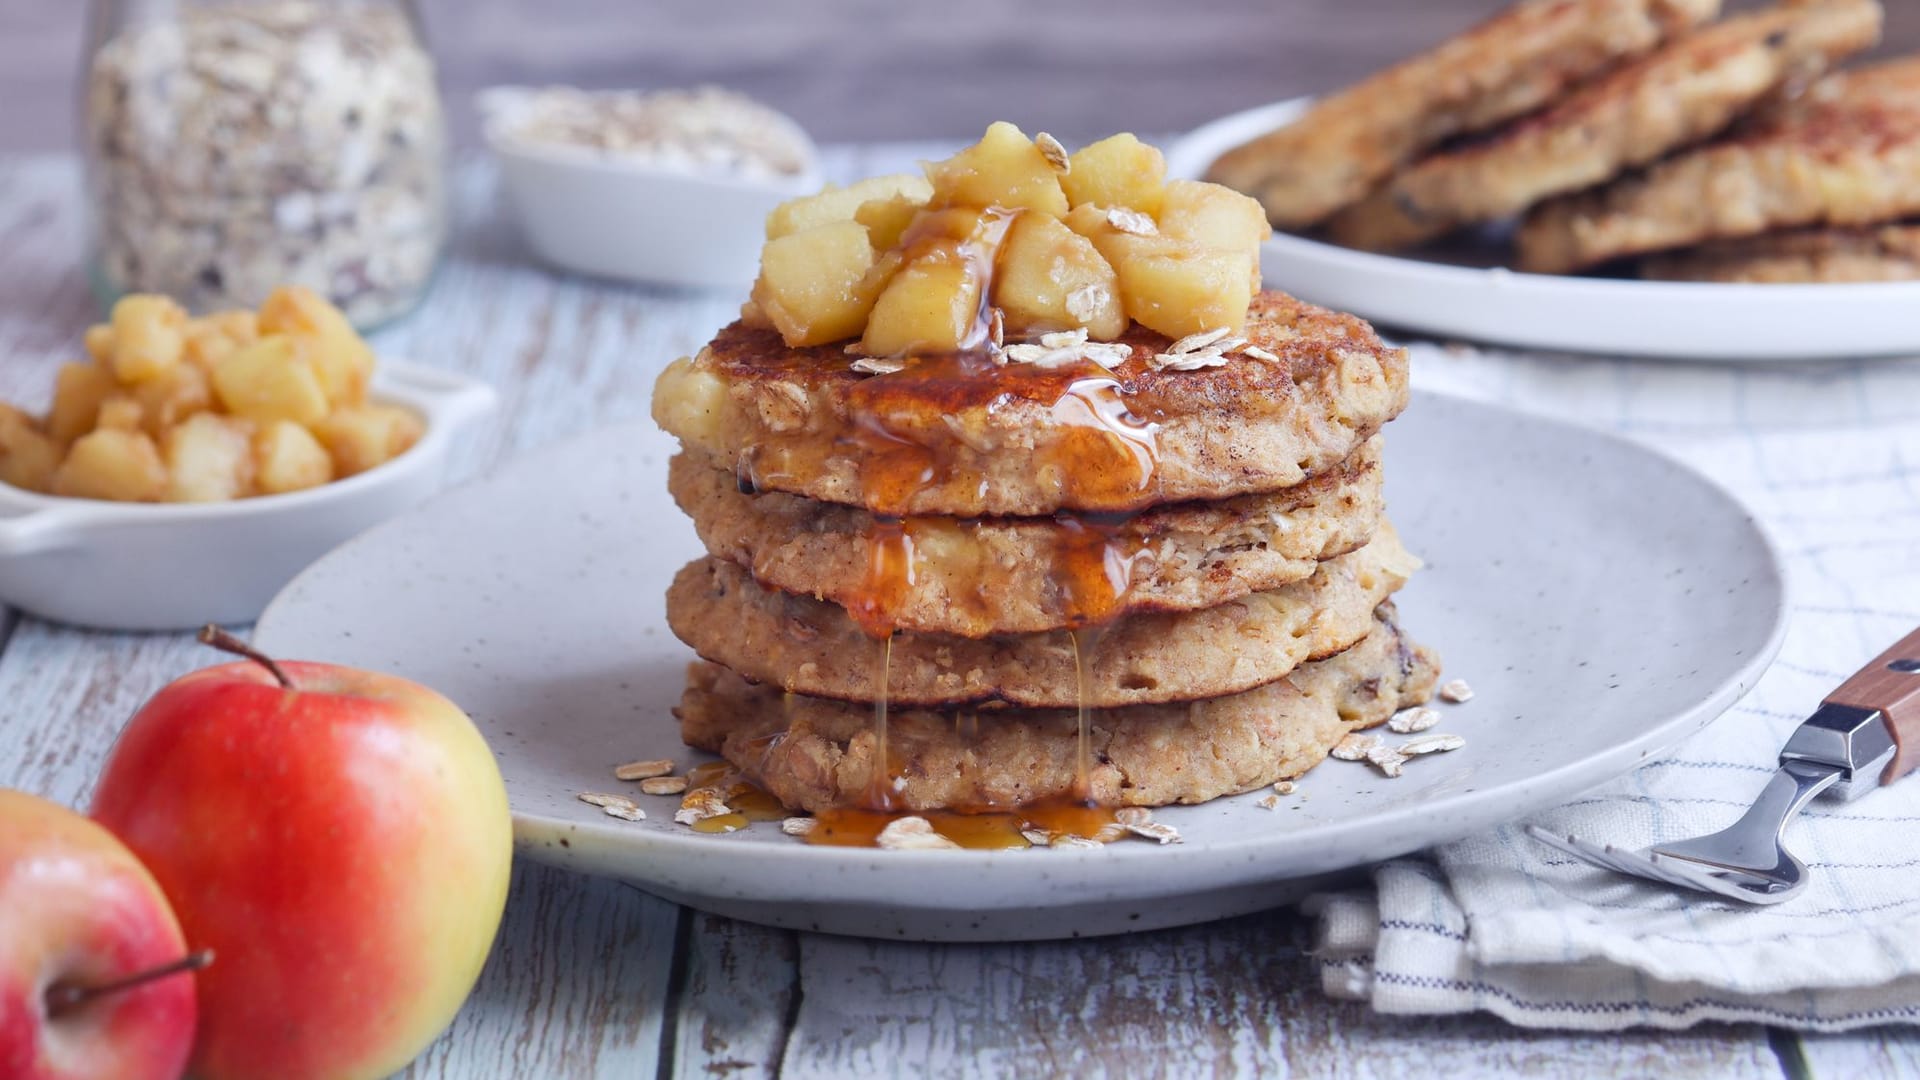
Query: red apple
column 339, row 838
column 78, row 915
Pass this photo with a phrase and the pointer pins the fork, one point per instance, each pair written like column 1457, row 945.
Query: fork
column 1865, row 735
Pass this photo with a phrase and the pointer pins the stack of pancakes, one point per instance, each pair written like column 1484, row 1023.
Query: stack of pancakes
column 1159, row 581
column 1638, row 133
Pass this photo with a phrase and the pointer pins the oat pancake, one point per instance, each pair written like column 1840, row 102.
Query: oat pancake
column 815, row 755
column 975, row 577
column 1875, row 253
column 1683, row 92
column 1505, row 67
column 808, row 646
column 1847, row 153
column 961, row 437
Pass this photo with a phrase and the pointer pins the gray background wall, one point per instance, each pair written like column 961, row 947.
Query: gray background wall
column 853, row 69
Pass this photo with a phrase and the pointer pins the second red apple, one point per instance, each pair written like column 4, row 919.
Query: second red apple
column 340, row 838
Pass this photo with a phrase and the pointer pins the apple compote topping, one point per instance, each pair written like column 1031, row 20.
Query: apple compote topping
column 1050, row 242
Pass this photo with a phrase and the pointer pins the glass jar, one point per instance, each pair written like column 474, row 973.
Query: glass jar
column 236, row 145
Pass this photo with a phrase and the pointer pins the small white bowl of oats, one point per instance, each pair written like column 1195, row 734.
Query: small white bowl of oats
column 668, row 187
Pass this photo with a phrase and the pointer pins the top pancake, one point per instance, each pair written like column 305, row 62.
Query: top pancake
column 1846, row 153
column 1681, row 93
column 960, row 436
column 1505, row 67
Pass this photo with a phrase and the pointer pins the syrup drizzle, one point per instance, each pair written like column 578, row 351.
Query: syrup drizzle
column 1097, row 556
column 880, row 785
column 1082, row 764
column 971, row 239
column 891, row 575
column 985, row 829
column 1111, row 456
column 906, row 436
column 748, row 801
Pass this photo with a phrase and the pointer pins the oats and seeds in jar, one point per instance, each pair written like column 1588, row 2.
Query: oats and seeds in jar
column 236, row 146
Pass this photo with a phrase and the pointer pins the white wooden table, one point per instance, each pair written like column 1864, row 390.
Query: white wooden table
column 595, row 978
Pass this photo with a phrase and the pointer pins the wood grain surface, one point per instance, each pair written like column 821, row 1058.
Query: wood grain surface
column 872, row 69
column 593, row 978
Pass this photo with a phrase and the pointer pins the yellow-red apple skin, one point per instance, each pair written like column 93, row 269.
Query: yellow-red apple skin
column 76, row 906
column 344, row 848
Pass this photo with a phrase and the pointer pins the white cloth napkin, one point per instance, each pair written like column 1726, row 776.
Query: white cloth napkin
column 1828, row 458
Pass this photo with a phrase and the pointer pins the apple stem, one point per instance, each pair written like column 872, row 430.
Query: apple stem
column 211, row 634
column 66, row 997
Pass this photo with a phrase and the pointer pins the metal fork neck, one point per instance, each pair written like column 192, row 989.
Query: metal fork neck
column 1792, row 787
column 1854, row 741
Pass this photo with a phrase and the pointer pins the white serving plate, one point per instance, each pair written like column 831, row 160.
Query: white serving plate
column 1702, row 321
column 179, row 566
column 1604, row 601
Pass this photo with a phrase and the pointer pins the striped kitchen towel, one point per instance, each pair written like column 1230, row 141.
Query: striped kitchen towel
column 1828, row 457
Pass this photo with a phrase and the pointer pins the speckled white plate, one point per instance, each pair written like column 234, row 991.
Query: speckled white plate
column 1477, row 299
column 1604, row 602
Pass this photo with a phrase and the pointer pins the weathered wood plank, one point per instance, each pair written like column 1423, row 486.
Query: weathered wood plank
column 1886, row 1052
column 64, row 695
column 577, row 984
column 741, row 986
column 1238, row 997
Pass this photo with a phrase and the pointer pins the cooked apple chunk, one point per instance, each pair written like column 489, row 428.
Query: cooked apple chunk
column 818, row 285
column 27, row 456
column 286, row 457
column 124, row 466
column 1052, row 278
column 168, row 399
column 118, row 413
column 1217, row 217
column 211, row 337
column 887, row 220
column 98, row 341
column 78, row 390
column 363, row 436
column 1179, row 287
column 209, row 459
column 271, row 379
column 339, row 357
column 148, row 336
column 1214, row 215
column 1117, row 171
column 933, row 304
column 840, row 204
column 1003, row 169
column 930, row 306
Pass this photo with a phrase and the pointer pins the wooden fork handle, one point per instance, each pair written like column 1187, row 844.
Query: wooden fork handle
column 1890, row 683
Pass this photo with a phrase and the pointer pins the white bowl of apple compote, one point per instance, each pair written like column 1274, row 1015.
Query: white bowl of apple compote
column 191, row 467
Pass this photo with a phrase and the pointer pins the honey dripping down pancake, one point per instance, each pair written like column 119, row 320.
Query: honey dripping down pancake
column 976, row 577
column 813, row 647
column 819, row 755
column 1047, row 349
column 963, row 436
